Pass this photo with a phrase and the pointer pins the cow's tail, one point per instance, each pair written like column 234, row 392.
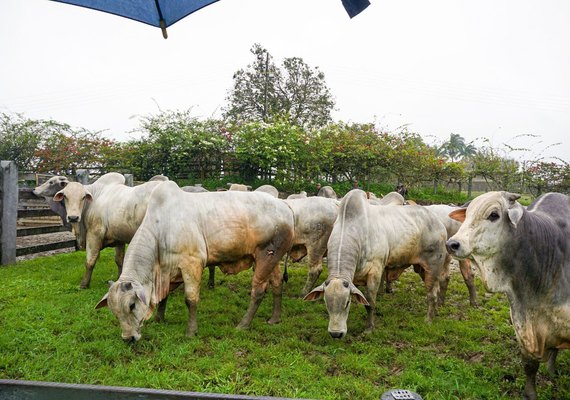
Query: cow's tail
column 285, row 273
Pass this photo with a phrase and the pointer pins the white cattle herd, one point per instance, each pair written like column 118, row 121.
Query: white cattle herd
column 174, row 233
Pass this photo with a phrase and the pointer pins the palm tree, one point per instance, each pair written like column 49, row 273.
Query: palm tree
column 456, row 148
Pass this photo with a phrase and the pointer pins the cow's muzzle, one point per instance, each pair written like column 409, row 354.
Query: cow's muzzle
column 337, row 334
column 452, row 246
column 130, row 340
column 73, row 218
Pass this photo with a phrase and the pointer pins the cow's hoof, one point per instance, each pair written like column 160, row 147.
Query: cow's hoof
column 273, row 321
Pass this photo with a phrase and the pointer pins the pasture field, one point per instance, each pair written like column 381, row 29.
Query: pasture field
column 50, row 331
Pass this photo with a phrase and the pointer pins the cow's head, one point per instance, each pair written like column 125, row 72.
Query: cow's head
column 487, row 223
column 75, row 196
column 128, row 301
column 50, row 187
column 337, row 294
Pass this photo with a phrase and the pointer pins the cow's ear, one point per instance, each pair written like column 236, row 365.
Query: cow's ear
column 458, row 215
column 88, row 196
column 316, row 293
column 141, row 296
column 512, row 197
column 58, row 196
column 103, row 302
column 514, row 210
column 358, row 296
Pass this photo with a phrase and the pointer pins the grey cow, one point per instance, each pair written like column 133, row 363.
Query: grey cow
column 47, row 190
column 365, row 240
column 524, row 253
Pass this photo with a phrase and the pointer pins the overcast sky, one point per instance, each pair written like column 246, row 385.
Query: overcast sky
column 485, row 68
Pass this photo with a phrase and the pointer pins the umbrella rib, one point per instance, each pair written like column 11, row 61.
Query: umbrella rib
column 161, row 20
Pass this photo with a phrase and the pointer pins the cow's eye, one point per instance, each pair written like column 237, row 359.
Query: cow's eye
column 493, row 216
column 132, row 306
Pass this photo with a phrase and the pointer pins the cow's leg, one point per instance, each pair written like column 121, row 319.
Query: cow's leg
column 192, row 270
column 266, row 261
column 257, row 294
column 432, row 288
column 211, row 276
column 276, row 282
column 443, row 278
column 161, row 310
column 530, row 370
column 119, row 257
column 315, row 269
column 92, row 249
column 551, row 363
column 372, row 287
column 469, row 278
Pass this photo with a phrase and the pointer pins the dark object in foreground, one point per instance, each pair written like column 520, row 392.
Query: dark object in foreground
column 34, row 390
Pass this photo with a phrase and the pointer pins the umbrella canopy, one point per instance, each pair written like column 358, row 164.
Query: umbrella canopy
column 163, row 13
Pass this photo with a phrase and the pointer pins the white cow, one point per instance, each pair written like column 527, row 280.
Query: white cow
column 239, row 187
column 182, row 233
column 104, row 214
column 368, row 238
column 269, row 189
column 314, row 220
column 301, row 195
column 442, row 212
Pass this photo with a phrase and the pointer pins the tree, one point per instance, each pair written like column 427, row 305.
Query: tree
column 66, row 149
column 49, row 146
column 541, row 176
column 271, row 150
column 176, row 144
column 265, row 92
column 456, row 148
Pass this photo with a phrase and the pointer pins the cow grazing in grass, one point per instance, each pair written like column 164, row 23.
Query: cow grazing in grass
column 314, row 220
column 182, row 233
column 524, row 253
column 104, row 214
column 368, row 238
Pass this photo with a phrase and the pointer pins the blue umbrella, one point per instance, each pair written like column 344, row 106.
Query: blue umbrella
column 163, row 13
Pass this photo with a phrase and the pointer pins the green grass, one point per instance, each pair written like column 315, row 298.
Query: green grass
column 50, row 331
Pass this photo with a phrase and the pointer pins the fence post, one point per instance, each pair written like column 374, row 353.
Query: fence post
column 129, row 180
column 83, row 176
column 8, row 211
